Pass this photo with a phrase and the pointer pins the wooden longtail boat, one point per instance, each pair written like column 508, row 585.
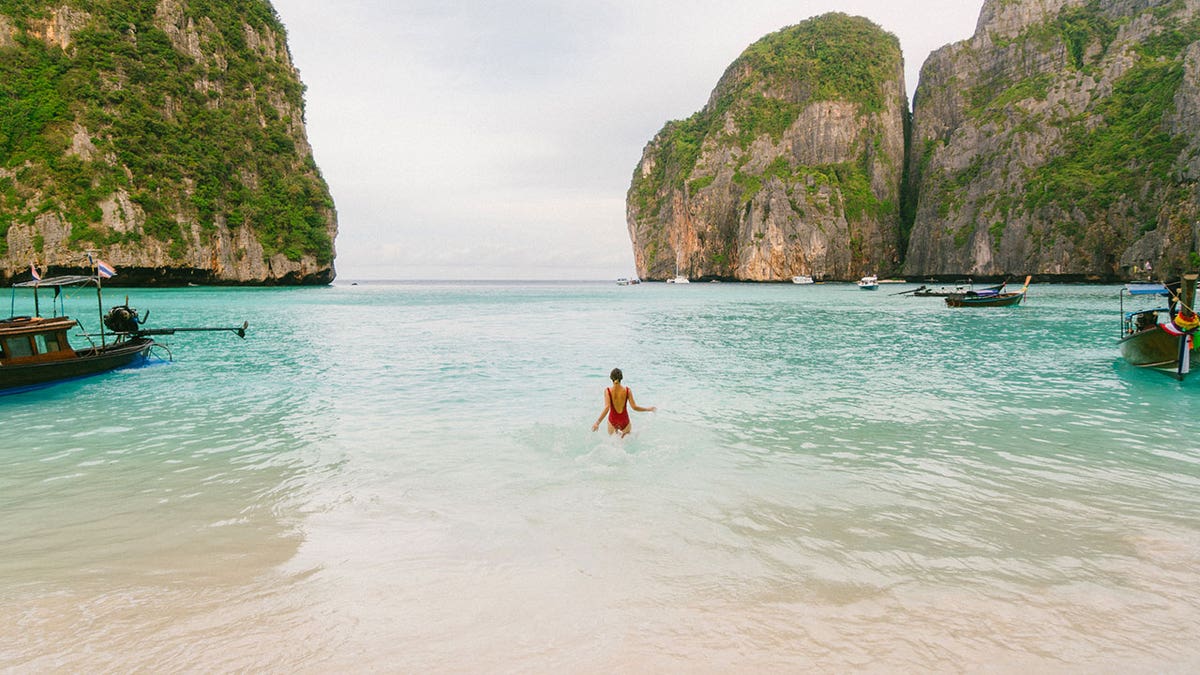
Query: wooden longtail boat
column 1162, row 338
column 988, row 298
column 35, row 351
column 960, row 289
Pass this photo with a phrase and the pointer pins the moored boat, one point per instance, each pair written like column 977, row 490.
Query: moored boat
column 35, row 350
column 1162, row 337
column 869, row 283
column 961, row 288
column 802, row 279
column 988, row 298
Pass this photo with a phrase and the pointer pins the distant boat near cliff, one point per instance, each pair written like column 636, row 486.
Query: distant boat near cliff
column 988, row 298
column 961, row 288
column 869, row 283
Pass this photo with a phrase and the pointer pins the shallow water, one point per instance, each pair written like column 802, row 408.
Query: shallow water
column 403, row 477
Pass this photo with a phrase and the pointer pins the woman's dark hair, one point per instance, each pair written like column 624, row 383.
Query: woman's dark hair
column 615, row 375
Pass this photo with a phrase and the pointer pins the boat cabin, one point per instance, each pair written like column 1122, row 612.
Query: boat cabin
column 26, row 339
column 1134, row 322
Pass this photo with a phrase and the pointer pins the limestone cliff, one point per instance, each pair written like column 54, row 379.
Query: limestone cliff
column 793, row 167
column 1062, row 139
column 168, row 136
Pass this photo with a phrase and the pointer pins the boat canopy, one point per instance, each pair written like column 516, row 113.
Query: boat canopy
column 1146, row 289
column 71, row 280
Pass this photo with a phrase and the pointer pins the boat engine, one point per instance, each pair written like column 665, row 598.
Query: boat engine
column 123, row 319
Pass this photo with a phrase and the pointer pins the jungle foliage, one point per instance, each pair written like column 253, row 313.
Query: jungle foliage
column 1130, row 152
column 190, row 140
column 833, row 57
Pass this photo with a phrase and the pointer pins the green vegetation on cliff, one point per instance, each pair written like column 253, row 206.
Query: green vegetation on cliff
column 1070, row 131
column 189, row 140
column 1130, row 154
column 833, row 57
column 1123, row 155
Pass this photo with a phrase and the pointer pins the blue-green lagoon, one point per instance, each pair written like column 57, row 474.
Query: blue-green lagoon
column 403, row 477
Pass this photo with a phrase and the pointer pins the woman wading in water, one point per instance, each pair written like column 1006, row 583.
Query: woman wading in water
column 618, row 399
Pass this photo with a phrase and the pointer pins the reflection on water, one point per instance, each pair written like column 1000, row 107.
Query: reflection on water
column 402, row 477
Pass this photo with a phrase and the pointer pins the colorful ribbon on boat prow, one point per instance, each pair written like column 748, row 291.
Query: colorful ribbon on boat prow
column 1186, row 321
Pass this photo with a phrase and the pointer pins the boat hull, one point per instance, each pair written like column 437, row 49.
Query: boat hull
column 88, row 362
column 1001, row 300
column 924, row 292
column 1156, row 348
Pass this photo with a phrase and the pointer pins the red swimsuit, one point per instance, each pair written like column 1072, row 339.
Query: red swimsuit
column 619, row 420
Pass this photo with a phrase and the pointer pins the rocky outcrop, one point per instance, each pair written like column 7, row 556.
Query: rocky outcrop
column 793, row 167
column 1061, row 139
column 168, row 137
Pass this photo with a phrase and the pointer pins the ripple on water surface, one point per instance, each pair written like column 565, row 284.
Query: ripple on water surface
column 403, row 476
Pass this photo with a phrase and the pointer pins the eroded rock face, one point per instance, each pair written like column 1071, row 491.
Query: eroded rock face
column 1061, row 139
column 793, row 167
column 184, row 157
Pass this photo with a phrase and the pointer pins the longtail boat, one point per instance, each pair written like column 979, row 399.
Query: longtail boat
column 995, row 298
column 958, row 289
column 1163, row 337
column 35, row 351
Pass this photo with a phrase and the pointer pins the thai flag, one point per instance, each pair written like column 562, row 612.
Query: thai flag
column 33, row 271
column 105, row 270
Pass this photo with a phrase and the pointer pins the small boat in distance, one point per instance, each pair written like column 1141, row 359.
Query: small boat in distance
column 869, row 283
column 1162, row 338
column 623, row 281
column 35, row 351
column 802, row 279
column 678, row 278
column 988, row 298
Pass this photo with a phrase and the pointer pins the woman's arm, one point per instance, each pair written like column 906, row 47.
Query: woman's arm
column 603, row 413
column 638, row 407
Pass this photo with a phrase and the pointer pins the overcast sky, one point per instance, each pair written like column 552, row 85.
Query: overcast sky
column 496, row 140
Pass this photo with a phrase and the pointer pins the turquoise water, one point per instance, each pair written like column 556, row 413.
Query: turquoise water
column 403, row 477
